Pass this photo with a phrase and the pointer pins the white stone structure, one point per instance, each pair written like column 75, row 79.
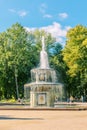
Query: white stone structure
column 44, row 88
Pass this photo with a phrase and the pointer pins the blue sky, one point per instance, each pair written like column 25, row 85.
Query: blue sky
column 55, row 16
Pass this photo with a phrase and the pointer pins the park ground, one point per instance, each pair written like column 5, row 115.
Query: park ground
column 42, row 120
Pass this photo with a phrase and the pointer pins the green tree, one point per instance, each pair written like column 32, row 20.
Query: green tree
column 75, row 56
column 15, row 59
column 56, row 61
column 19, row 52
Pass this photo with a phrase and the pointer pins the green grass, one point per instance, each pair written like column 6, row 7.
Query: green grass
column 8, row 101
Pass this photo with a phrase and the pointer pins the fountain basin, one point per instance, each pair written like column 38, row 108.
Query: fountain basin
column 44, row 93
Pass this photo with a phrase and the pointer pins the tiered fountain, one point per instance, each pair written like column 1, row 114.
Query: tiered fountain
column 44, row 88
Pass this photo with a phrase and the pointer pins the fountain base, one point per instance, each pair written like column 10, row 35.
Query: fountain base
column 44, row 94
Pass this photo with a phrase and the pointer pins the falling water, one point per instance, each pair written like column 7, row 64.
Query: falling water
column 44, row 64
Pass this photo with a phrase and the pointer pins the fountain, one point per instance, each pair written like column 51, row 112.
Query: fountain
column 44, row 88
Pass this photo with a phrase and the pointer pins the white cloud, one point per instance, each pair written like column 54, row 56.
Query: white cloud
column 21, row 13
column 47, row 16
column 12, row 10
column 63, row 15
column 30, row 29
column 43, row 8
column 55, row 29
column 43, row 5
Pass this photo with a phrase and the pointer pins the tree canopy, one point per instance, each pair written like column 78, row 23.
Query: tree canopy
column 19, row 53
column 75, row 56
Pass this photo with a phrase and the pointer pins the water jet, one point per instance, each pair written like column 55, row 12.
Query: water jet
column 44, row 88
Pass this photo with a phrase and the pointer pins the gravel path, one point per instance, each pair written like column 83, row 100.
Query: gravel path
column 43, row 120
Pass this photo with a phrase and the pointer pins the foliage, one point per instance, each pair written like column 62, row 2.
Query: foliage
column 15, row 60
column 75, row 56
column 19, row 52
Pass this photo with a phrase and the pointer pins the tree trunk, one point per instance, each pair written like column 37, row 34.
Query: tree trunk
column 16, row 83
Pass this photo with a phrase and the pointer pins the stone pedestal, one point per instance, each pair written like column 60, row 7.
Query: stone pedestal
column 43, row 94
column 39, row 99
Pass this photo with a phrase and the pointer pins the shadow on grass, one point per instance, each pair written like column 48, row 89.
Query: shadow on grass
column 16, row 118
